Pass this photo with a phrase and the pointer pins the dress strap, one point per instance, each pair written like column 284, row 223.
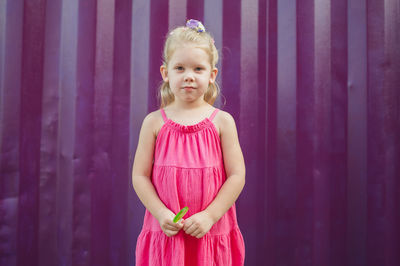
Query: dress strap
column 164, row 116
column 214, row 114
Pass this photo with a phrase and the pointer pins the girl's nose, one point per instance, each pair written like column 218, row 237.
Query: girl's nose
column 189, row 77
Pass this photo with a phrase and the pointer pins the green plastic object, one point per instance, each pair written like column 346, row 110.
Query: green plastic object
column 180, row 214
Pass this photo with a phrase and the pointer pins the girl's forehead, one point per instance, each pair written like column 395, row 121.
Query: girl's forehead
column 186, row 52
column 189, row 46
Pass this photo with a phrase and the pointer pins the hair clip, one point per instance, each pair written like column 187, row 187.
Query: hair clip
column 195, row 25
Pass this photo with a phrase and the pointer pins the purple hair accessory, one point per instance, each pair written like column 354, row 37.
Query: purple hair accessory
column 195, row 25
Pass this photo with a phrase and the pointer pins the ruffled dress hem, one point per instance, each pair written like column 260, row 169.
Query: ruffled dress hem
column 183, row 249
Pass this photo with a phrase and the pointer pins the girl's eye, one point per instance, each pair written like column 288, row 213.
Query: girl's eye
column 199, row 68
column 179, row 68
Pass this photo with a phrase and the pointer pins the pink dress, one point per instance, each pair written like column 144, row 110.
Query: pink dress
column 188, row 170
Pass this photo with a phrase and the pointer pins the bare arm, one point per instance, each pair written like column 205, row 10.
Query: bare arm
column 141, row 177
column 234, row 167
column 142, row 168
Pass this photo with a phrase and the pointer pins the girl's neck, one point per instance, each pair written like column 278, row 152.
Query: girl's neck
column 188, row 114
column 188, row 106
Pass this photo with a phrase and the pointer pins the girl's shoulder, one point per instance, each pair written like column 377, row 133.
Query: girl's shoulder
column 224, row 121
column 224, row 117
column 153, row 121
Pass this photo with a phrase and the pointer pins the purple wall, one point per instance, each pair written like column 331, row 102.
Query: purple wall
column 313, row 86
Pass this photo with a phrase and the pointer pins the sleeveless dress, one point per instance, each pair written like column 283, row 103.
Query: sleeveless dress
column 188, row 170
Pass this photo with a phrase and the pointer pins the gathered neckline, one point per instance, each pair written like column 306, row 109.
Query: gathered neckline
column 205, row 123
column 189, row 128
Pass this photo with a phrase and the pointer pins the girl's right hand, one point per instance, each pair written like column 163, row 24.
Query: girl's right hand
column 165, row 218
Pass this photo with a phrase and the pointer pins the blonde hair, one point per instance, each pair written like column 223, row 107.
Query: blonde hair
column 187, row 35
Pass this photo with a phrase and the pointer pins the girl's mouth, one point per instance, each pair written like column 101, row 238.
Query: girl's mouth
column 188, row 88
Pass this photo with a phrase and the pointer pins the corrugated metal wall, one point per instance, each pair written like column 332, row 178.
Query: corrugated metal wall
column 314, row 88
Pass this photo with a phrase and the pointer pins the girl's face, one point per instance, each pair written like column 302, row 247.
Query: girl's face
column 189, row 73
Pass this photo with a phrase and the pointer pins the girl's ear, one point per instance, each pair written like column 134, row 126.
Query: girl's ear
column 213, row 75
column 164, row 73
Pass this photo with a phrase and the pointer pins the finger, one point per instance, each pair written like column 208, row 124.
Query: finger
column 187, row 224
column 191, row 229
column 170, row 227
column 170, row 233
column 177, row 226
column 186, row 228
column 167, row 233
column 196, row 232
column 200, row 235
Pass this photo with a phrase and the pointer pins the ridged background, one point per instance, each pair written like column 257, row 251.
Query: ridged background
column 313, row 86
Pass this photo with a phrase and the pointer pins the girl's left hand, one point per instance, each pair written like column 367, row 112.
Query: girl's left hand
column 198, row 224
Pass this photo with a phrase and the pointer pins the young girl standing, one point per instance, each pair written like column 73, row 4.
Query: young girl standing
column 189, row 155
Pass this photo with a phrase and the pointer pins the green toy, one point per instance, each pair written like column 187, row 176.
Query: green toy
column 180, row 214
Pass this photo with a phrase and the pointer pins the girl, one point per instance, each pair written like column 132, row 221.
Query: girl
column 189, row 155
